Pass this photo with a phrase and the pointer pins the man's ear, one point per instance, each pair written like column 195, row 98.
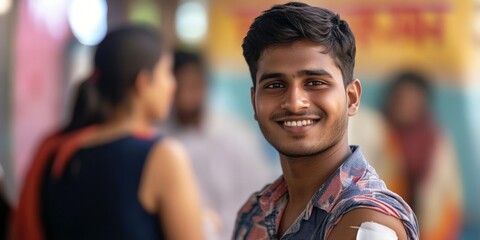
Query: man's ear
column 354, row 93
column 252, row 98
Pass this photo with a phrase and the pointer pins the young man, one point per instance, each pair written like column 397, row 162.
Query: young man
column 301, row 60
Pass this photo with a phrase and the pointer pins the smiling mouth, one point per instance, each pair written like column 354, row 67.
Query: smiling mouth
column 299, row 123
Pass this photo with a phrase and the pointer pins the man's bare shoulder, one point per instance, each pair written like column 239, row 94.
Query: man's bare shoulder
column 347, row 227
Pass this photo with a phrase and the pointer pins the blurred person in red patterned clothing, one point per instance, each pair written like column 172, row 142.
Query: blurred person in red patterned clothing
column 421, row 165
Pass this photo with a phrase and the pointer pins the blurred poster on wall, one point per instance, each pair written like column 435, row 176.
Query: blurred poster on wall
column 38, row 44
column 429, row 35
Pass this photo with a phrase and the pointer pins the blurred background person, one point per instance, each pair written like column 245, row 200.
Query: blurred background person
column 227, row 156
column 412, row 154
column 116, row 178
column 420, row 163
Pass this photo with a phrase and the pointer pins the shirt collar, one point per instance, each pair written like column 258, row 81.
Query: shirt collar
column 272, row 193
column 351, row 170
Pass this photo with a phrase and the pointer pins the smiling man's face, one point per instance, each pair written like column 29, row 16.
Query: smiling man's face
column 299, row 100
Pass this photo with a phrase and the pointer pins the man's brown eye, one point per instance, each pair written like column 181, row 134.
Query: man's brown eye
column 275, row 85
column 314, row 83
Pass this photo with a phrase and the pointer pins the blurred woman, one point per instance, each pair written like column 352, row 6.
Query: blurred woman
column 109, row 176
column 421, row 164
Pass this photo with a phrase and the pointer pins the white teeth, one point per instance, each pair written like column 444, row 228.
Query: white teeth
column 299, row 123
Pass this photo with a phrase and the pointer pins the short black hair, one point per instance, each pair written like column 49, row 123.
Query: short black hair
column 416, row 79
column 183, row 58
column 294, row 21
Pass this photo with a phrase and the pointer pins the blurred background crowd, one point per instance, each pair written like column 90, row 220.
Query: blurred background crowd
column 419, row 63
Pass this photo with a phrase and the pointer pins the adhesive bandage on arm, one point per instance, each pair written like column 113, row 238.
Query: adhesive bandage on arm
column 375, row 231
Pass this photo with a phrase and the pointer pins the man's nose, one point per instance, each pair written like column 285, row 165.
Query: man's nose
column 295, row 99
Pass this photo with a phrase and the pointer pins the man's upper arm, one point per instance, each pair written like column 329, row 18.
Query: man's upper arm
column 347, row 227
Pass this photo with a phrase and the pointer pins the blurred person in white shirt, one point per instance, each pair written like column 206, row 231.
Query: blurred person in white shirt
column 227, row 154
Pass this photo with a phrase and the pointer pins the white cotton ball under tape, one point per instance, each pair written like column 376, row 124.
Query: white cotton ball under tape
column 375, row 231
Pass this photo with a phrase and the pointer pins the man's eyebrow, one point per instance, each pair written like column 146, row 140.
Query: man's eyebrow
column 270, row 75
column 309, row 72
column 315, row 72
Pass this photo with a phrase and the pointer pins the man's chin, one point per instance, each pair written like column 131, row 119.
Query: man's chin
column 299, row 153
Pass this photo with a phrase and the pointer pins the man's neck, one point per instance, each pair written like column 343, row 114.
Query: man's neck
column 304, row 176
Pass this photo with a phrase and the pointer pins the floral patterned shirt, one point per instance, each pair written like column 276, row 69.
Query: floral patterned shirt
column 355, row 184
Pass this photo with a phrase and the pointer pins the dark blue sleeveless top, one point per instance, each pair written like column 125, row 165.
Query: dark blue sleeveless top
column 97, row 197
